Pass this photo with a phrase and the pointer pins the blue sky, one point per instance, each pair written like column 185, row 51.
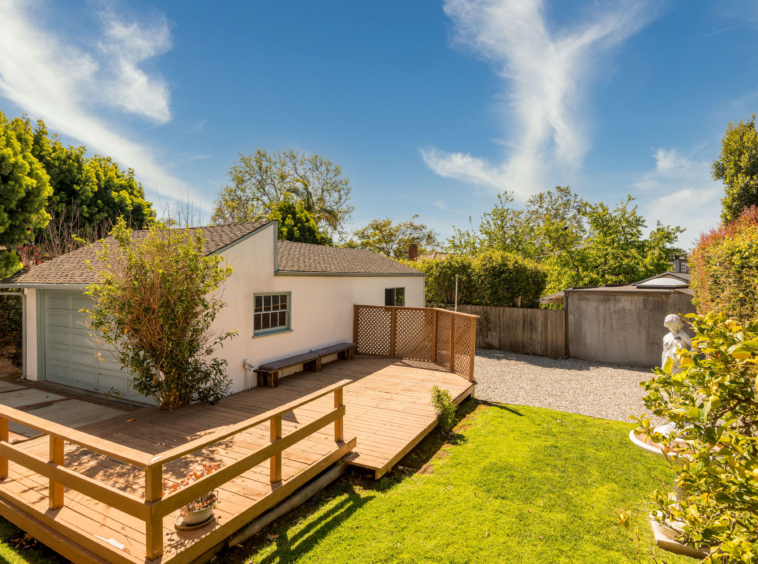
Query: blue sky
column 431, row 107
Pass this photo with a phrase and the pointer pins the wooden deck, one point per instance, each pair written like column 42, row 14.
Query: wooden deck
column 387, row 409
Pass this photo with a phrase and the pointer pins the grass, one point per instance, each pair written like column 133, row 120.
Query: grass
column 514, row 484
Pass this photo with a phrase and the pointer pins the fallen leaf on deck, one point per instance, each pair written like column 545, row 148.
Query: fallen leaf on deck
column 129, row 420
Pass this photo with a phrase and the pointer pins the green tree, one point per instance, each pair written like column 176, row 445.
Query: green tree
column 260, row 180
column 392, row 239
column 24, row 190
column 503, row 229
column 503, row 279
column 613, row 251
column 737, row 167
column 96, row 186
column 522, row 231
column 295, row 223
column 155, row 306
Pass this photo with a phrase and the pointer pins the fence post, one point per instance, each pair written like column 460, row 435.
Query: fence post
column 473, row 349
column 434, row 336
column 154, row 527
column 55, row 495
column 276, row 460
column 339, row 428
column 452, row 342
column 393, row 330
column 4, row 438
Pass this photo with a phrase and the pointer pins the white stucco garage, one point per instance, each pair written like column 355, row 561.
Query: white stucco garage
column 284, row 299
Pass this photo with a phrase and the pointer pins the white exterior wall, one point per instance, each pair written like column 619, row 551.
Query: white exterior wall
column 31, row 334
column 321, row 306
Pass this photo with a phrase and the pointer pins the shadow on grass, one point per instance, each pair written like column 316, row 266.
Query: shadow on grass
column 288, row 547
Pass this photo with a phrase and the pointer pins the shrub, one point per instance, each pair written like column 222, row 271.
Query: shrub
column 440, row 279
column 442, row 401
column 724, row 268
column 155, row 306
column 500, row 279
column 11, row 337
column 714, row 406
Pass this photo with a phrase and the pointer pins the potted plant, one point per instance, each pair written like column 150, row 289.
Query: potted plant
column 200, row 510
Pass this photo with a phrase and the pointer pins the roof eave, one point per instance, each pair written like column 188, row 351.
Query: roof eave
column 41, row 286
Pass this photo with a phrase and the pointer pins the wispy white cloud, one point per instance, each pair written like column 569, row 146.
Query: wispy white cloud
column 545, row 76
column 680, row 191
column 51, row 79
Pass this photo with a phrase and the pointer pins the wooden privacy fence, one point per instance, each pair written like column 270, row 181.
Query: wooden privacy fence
column 153, row 508
column 433, row 335
column 539, row 332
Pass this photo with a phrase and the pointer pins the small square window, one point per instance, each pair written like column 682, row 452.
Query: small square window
column 394, row 297
column 271, row 313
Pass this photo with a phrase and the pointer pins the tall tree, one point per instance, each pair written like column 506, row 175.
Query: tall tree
column 521, row 231
column 614, row 249
column 391, row 239
column 295, row 223
column 96, row 186
column 259, row 181
column 737, row 167
column 24, row 189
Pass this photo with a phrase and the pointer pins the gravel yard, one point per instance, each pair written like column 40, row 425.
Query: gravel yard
column 576, row 386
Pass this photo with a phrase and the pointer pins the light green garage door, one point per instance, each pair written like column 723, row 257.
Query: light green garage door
column 71, row 351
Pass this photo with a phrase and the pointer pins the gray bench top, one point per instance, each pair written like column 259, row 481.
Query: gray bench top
column 305, row 357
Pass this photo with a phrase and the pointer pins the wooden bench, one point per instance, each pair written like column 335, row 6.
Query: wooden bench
column 268, row 374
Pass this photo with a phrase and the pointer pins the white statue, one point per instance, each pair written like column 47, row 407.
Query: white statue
column 675, row 340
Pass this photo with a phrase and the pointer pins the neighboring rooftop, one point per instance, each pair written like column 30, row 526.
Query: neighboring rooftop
column 294, row 259
column 667, row 282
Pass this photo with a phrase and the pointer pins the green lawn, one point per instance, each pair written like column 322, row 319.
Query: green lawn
column 515, row 484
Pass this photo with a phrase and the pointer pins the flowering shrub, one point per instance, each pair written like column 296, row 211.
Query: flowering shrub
column 714, row 449
column 724, row 268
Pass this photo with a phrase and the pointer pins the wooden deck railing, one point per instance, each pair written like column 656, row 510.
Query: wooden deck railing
column 153, row 508
column 440, row 336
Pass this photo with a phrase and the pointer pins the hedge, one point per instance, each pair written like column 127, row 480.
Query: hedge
column 724, row 268
column 494, row 278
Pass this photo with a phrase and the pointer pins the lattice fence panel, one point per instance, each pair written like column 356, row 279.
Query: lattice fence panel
column 465, row 328
column 443, row 338
column 374, row 327
column 413, row 334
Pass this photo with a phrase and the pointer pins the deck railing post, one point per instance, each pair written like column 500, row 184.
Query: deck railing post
column 452, row 342
column 4, row 436
column 356, row 313
column 55, row 495
column 339, row 429
column 154, row 527
column 434, row 336
column 393, row 330
column 276, row 460
column 473, row 350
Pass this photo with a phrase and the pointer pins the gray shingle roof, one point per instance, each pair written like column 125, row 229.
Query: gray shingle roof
column 72, row 269
column 294, row 258
column 304, row 259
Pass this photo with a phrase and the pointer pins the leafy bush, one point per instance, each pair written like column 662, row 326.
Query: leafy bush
column 11, row 337
column 500, row 279
column 154, row 305
column 295, row 223
column 442, row 401
column 440, row 279
column 724, row 268
column 714, row 405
